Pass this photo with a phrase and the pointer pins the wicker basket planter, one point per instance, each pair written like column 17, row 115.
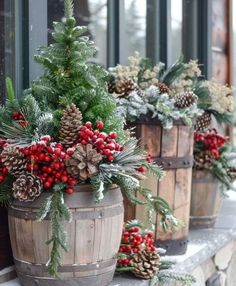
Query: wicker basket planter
column 206, row 200
column 94, row 238
column 172, row 149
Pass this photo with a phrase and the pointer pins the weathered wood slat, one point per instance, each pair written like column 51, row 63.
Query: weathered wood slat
column 206, row 200
column 175, row 148
column 92, row 241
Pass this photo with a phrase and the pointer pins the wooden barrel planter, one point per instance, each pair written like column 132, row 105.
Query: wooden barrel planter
column 173, row 149
column 206, row 200
column 5, row 246
column 93, row 236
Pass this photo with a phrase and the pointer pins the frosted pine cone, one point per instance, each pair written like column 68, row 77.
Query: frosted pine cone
column 84, row 162
column 71, row 123
column 146, row 264
column 185, row 99
column 14, row 160
column 122, row 87
column 27, row 187
column 163, row 87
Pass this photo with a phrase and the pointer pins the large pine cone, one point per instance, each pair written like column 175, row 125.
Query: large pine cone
column 185, row 99
column 84, row 162
column 122, row 87
column 27, row 187
column 203, row 122
column 71, row 123
column 14, row 160
column 146, row 264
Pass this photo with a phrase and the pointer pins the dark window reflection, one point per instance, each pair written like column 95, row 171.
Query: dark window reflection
column 7, row 36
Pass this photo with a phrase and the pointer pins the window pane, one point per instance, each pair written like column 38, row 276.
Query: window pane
column 91, row 13
column 134, row 28
column 7, row 39
column 176, row 29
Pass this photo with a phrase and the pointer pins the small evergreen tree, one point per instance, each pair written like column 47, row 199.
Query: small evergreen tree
column 69, row 77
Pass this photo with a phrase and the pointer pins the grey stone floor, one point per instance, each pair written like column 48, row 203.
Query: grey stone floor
column 202, row 245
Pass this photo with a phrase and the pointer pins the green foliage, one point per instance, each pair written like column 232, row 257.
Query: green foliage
column 58, row 213
column 174, row 72
column 166, row 277
column 225, row 117
column 37, row 123
column 69, row 8
column 6, row 195
column 70, row 78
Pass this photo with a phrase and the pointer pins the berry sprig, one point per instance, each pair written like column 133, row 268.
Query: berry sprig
column 47, row 161
column 3, row 170
column 105, row 143
column 134, row 239
column 210, row 141
column 19, row 117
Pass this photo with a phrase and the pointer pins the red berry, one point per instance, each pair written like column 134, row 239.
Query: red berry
column 103, row 135
column 64, row 178
column 59, row 146
column 99, row 141
column 69, row 191
column 107, row 152
column 110, row 158
column 111, row 146
column 70, row 151
column 1, row 178
column 142, row 169
column 88, row 125
column 100, row 125
column 113, row 135
column 47, row 185
column 47, row 158
column 58, row 175
column 57, row 152
column 84, row 142
column 63, row 155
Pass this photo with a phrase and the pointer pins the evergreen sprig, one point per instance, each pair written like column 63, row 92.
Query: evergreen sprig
column 166, row 277
column 58, row 213
column 70, row 77
column 6, row 194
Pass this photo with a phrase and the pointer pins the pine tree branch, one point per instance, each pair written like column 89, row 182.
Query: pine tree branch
column 58, row 213
column 69, row 8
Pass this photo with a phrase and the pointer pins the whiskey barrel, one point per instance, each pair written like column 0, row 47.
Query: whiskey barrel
column 206, row 200
column 5, row 246
column 173, row 149
column 93, row 237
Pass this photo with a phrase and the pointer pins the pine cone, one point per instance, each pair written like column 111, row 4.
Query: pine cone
column 84, row 162
column 203, row 122
column 111, row 86
column 232, row 173
column 185, row 99
column 27, row 187
column 124, row 87
column 71, row 122
column 202, row 160
column 146, row 264
column 14, row 160
column 163, row 87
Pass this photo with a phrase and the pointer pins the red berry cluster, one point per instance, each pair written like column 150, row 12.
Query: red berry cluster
column 104, row 143
column 47, row 161
column 19, row 117
column 210, row 141
column 134, row 240
column 149, row 159
column 3, row 169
